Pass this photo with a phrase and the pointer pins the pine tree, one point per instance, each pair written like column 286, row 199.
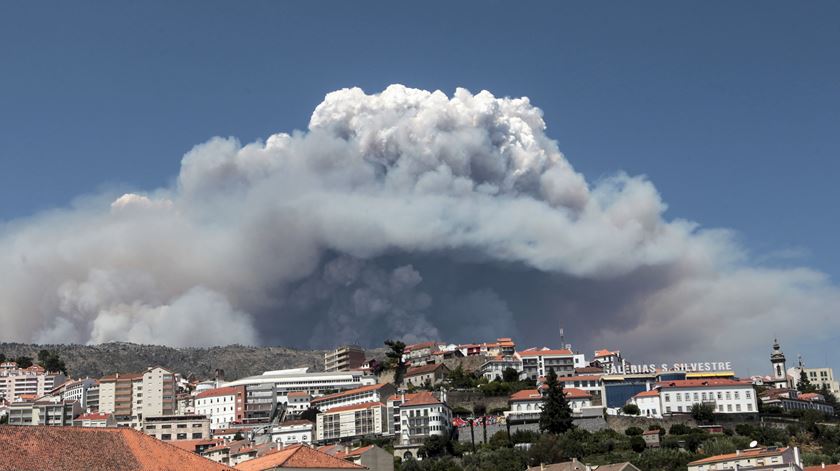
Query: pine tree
column 395, row 359
column 805, row 385
column 556, row 416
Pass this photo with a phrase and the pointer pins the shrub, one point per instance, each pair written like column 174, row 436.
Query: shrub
column 633, row 431
column 679, row 429
column 631, row 409
column 637, row 443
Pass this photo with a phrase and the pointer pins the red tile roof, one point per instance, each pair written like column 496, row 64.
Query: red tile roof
column 526, row 395
column 419, row 370
column 420, row 346
column 298, row 394
column 94, row 416
column 604, row 353
column 297, row 456
column 827, row 467
column 225, row 391
column 364, row 405
column 651, row 393
column 810, row 397
column 532, row 352
column 575, row 393
column 566, row 379
column 95, row 449
column 697, row 383
column 422, row 398
column 740, row 455
column 358, row 451
column 350, row 392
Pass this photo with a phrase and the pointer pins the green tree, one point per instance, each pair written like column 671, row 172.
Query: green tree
column 310, row 414
column 631, row 409
column 633, row 431
column 50, row 361
column 510, row 375
column 394, row 358
column 499, row 440
column 804, row 385
column 679, row 429
column 556, row 415
column 23, row 361
column 2, row 357
column 637, row 444
column 703, row 413
column 436, row 446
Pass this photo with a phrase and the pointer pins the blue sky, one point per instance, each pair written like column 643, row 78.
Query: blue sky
column 730, row 108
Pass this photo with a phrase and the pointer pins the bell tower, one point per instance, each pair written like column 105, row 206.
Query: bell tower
column 777, row 359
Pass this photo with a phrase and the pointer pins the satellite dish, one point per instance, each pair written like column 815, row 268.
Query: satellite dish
column 753, row 444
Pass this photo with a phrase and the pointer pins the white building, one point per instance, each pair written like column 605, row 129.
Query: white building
column 15, row 382
column 293, row 432
column 536, row 362
column 298, row 402
column 819, row 377
column 78, row 391
column 422, row 416
column 777, row 459
column 95, row 419
column 223, row 406
column 593, row 384
column 727, row 396
column 649, row 403
column 496, row 366
column 354, row 421
column 372, row 393
column 527, row 404
column 300, row 379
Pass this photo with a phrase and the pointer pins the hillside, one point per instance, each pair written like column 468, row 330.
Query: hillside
column 236, row 360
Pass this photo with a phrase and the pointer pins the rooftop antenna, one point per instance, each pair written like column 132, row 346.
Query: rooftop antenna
column 562, row 336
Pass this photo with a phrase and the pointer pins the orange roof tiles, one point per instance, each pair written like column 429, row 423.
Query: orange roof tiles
column 297, row 456
column 526, row 395
column 651, row 393
column 225, row 391
column 575, row 393
column 825, row 467
column 604, row 353
column 94, row 449
column 420, row 346
column 358, row 451
column 532, row 352
column 741, row 455
column 419, row 370
column 567, row 379
column 298, row 394
column 94, row 416
column 364, row 405
column 350, row 392
column 422, row 398
column 696, row 383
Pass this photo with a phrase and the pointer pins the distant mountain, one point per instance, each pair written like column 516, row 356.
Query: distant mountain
column 236, row 360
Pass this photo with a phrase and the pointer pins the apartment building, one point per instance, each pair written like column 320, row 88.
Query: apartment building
column 349, row 422
column 501, row 347
column 420, row 353
column 649, row 403
column 54, row 412
column 260, row 403
column 791, row 399
column 132, row 396
column 293, row 432
column 537, row 362
column 495, row 367
column 177, row 427
column 422, row 416
column 298, row 403
column 300, row 379
column 426, row 375
column 819, row 377
column 223, row 406
column 77, row 391
column 775, row 458
column 344, row 358
column 527, row 405
column 15, row 382
column 727, row 396
column 95, row 419
column 372, row 393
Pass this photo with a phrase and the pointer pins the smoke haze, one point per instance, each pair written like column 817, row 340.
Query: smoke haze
column 405, row 214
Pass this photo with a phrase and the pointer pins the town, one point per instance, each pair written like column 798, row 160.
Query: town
column 428, row 406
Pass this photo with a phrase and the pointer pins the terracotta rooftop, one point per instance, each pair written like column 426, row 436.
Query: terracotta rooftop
column 297, row 456
column 532, row 352
column 358, row 451
column 350, row 392
column 364, row 405
column 651, row 393
column 94, row 416
column 604, row 353
column 420, row 346
column 225, row 391
column 419, row 370
column 298, row 394
column 94, row 449
column 741, row 454
column 824, row 467
column 422, row 398
column 525, row 395
column 696, row 383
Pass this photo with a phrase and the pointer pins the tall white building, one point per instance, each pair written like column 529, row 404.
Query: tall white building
column 819, row 377
column 536, row 362
column 727, row 396
column 15, row 382
column 300, row 379
column 422, row 416
column 223, row 406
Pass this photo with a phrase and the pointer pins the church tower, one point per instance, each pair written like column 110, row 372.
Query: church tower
column 777, row 359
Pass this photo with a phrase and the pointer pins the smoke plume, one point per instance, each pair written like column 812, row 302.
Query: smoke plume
column 404, row 214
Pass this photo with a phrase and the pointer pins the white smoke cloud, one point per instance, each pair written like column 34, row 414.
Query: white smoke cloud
column 345, row 232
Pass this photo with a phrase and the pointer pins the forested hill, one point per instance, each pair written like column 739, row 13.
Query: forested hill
column 236, row 360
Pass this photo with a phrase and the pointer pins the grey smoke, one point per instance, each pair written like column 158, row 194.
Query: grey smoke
column 403, row 214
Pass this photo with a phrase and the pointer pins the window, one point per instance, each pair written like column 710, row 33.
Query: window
column 737, row 395
column 668, row 409
column 738, row 407
column 749, row 407
column 695, row 397
column 729, row 408
column 182, row 436
column 667, row 398
column 719, row 395
column 166, row 436
column 728, row 395
column 196, row 436
column 747, row 394
column 679, row 397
